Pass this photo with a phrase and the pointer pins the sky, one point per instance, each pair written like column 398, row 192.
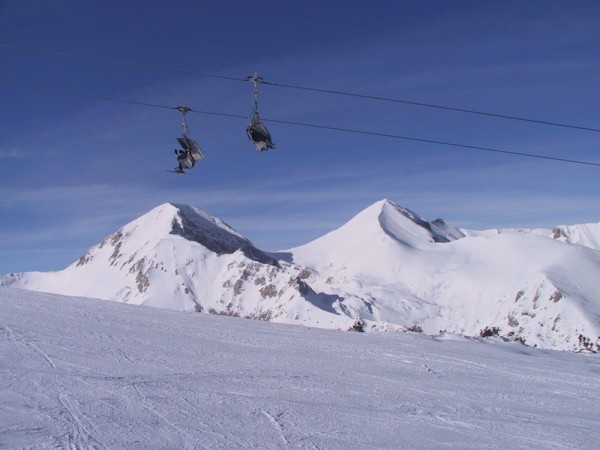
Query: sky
column 75, row 168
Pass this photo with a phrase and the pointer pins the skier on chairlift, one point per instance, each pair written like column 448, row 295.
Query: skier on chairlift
column 183, row 160
column 190, row 152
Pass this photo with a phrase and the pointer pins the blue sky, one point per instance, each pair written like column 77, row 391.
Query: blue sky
column 75, row 169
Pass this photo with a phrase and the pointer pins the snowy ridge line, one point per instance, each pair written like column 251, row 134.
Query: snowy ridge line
column 387, row 269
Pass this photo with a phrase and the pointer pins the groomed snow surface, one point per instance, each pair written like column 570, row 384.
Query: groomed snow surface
column 84, row 373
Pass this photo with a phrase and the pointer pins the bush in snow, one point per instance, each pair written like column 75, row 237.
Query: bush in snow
column 415, row 329
column 489, row 332
column 587, row 344
column 358, row 325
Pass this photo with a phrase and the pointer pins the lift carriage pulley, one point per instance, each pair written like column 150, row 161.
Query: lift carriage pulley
column 184, row 110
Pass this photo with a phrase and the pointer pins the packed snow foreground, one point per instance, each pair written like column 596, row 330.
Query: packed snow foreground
column 82, row 373
column 386, row 269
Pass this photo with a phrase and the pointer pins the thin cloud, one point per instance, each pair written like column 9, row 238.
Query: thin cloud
column 13, row 153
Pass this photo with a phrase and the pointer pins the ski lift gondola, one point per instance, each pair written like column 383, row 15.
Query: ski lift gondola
column 257, row 131
column 191, row 151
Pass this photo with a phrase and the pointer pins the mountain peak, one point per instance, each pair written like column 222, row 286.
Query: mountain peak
column 377, row 234
column 392, row 220
column 195, row 225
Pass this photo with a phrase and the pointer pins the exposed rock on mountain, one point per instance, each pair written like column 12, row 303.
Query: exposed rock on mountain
column 387, row 266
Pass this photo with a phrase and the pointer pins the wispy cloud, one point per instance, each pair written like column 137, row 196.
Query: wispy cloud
column 318, row 179
column 13, row 153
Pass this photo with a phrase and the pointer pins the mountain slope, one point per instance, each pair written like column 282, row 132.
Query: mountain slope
column 83, row 373
column 586, row 234
column 387, row 266
column 178, row 257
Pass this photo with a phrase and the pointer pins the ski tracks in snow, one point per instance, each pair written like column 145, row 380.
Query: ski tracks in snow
column 277, row 421
column 143, row 378
column 81, row 435
column 291, row 434
column 79, row 431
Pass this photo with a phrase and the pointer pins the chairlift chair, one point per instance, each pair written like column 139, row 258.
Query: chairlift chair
column 191, row 148
column 257, row 131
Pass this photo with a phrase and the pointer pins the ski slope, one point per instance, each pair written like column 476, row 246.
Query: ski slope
column 84, row 373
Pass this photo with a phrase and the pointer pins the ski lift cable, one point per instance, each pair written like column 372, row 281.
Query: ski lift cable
column 305, row 88
column 429, row 105
column 432, row 141
column 118, row 62
column 301, row 124
column 80, row 94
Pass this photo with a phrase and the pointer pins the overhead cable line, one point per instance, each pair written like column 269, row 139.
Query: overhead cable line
column 79, row 94
column 122, row 63
column 305, row 88
column 429, row 105
column 301, row 124
column 432, row 141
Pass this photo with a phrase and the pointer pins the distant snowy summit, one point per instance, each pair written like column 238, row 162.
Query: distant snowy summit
column 177, row 257
column 586, row 234
column 387, row 268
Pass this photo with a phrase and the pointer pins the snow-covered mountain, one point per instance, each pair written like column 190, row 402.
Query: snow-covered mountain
column 387, row 266
column 586, row 234
column 178, row 257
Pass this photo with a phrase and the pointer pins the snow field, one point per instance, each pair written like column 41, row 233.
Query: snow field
column 84, row 373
